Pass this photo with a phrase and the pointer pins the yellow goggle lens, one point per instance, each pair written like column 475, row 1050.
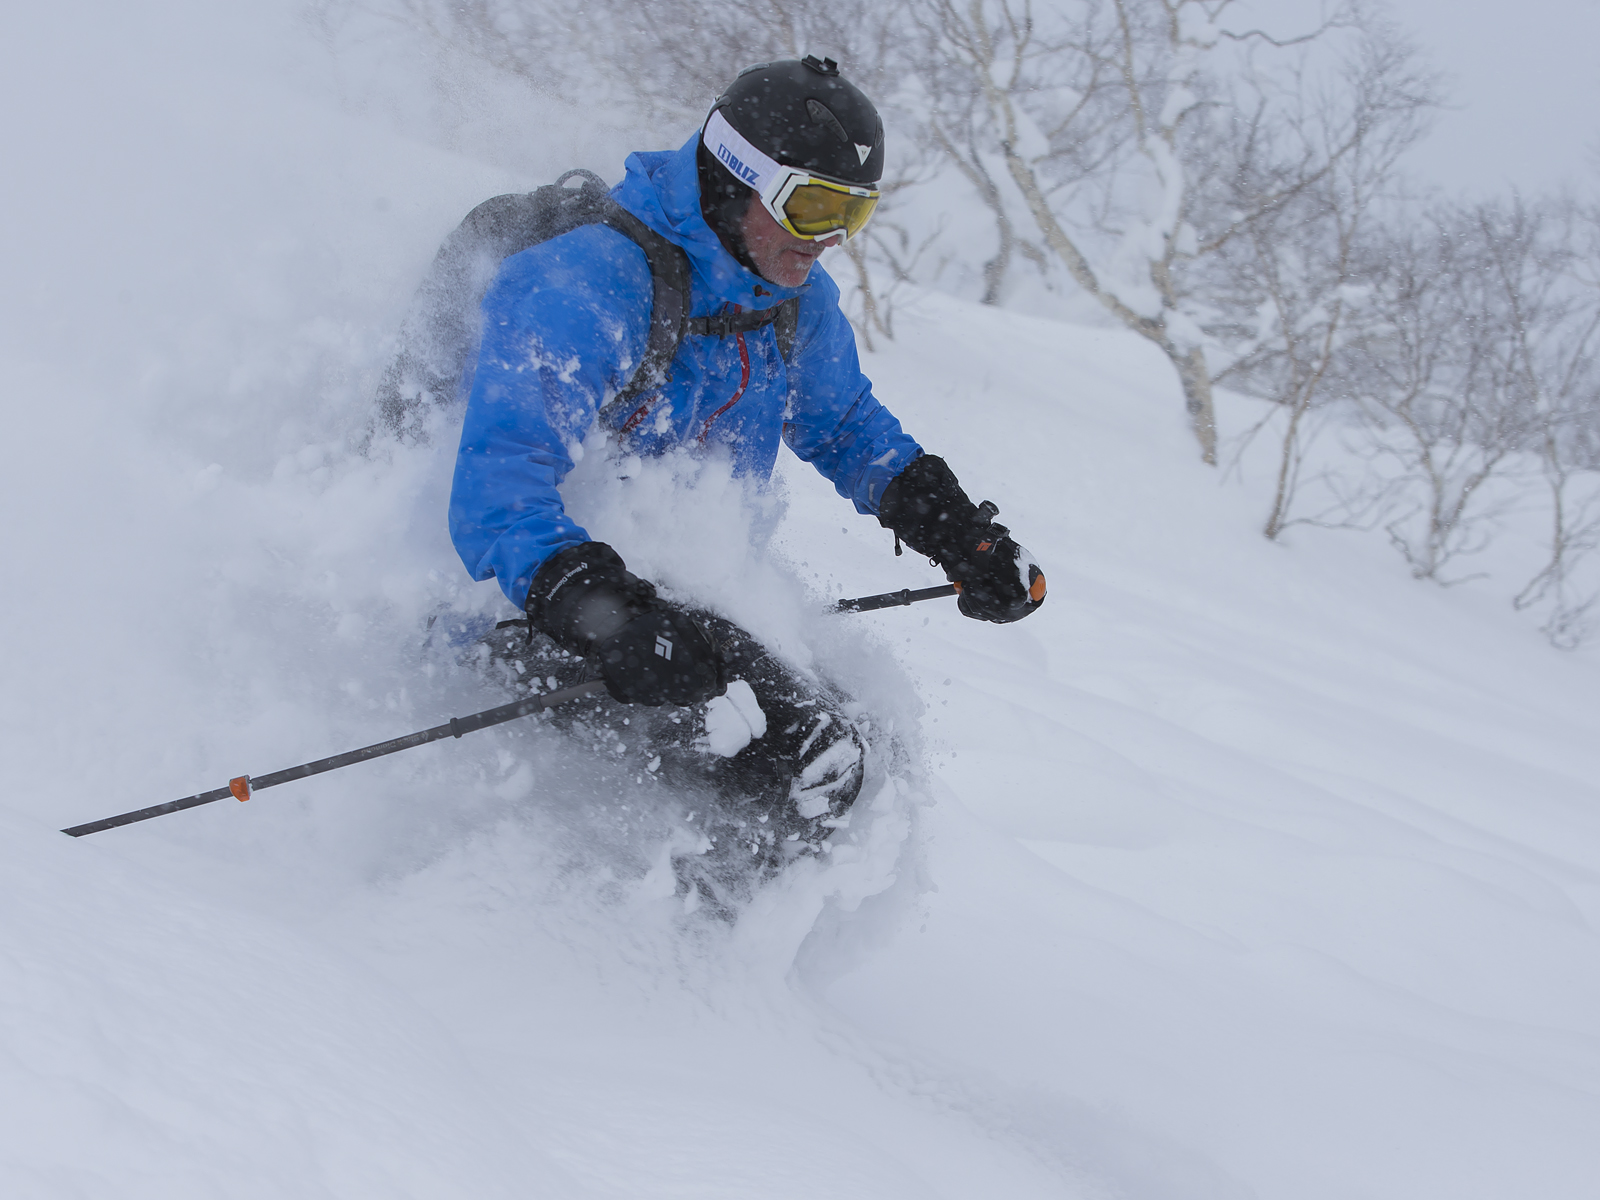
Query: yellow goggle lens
column 815, row 210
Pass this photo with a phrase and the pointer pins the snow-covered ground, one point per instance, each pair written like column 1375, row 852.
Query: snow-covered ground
column 1239, row 870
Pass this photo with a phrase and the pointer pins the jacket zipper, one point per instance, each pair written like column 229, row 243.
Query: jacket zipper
column 744, row 382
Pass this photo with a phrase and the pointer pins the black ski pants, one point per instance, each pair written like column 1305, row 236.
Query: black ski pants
column 784, row 791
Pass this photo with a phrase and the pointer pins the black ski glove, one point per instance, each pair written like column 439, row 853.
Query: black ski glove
column 648, row 651
column 998, row 580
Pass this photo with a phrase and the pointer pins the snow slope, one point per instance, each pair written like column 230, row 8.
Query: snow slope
column 1240, row 870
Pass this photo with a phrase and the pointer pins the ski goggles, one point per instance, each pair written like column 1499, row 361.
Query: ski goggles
column 809, row 206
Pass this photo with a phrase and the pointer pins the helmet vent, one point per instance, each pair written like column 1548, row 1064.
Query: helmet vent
column 826, row 67
column 822, row 116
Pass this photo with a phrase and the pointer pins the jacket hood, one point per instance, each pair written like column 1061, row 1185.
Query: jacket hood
column 662, row 189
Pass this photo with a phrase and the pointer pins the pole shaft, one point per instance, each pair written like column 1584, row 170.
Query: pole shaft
column 905, row 596
column 455, row 727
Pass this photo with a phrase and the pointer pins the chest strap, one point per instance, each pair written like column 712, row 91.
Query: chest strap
column 728, row 324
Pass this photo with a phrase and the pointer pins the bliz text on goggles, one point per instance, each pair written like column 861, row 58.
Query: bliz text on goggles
column 809, row 206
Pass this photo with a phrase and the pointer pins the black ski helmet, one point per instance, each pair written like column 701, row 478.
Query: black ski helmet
column 804, row 114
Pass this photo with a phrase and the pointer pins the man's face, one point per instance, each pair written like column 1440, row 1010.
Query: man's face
column 780, row 257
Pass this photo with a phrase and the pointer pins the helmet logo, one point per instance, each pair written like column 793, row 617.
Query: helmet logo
column 745, row 172
column 748, row 164
column 862, row 152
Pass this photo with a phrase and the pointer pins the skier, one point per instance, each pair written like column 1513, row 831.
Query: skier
column 786, row 165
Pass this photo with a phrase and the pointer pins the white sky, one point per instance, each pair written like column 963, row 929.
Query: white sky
column 1523, row 83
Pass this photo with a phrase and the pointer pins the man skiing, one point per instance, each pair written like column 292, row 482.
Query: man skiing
column 786, row 165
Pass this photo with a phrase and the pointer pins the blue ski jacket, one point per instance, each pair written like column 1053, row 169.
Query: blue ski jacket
column 564, row 324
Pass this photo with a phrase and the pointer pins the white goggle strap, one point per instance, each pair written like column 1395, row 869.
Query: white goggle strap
column 748, row 164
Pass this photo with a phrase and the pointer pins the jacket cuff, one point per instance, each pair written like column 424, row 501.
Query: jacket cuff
column 926, row 507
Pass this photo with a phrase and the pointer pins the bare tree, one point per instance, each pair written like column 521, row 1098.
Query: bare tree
column 889, row 247
column 1570, row 465
column 1441, row 376
column 1144, row 136
column 683, row 52
column 964, row 62
column 1288, row 291
column 659, row 62
column 1551, row 289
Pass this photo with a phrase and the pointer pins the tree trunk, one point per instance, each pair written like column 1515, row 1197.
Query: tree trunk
column 1288, row 467
column 1192, row 371
column 1197, row 399
column 994, row 271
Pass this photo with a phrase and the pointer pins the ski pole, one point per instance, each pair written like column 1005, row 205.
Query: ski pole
column 898, row 599
column 894, row 599
column 244, row 786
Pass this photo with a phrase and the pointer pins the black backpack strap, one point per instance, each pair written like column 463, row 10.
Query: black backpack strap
column 788, row 322
column 669, row 305
column 669, row 312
